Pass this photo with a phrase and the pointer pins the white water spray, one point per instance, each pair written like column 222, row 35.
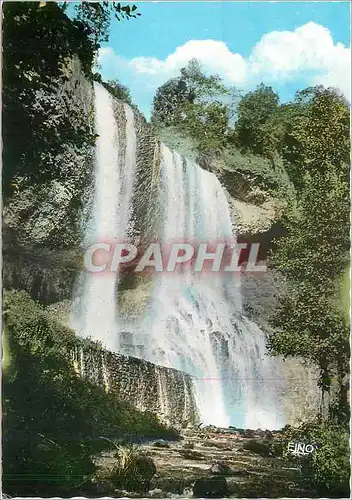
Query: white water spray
column 194, row 322
column 95, row 314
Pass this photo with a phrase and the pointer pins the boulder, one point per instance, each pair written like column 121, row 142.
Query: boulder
column 169, row 485
column 161, row 444
column 210, row 487
column 156, row 493
column 260, row 447
column 220, row 468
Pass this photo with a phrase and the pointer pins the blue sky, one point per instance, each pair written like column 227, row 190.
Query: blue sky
column 288, row 45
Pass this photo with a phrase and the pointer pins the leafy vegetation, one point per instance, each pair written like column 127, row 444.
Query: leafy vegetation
column 53, row 420
column 39, row 42
column 299, row 151
column 310, row 321
column 200, row 109
column 196, row 105
column 327, row 469
column 132, row 470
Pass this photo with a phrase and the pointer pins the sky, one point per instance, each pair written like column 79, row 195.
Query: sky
column 289, row 45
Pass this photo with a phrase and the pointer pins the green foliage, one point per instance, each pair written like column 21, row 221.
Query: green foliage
column 39, row 41
column 53, row 420
column 254, row 129
column 313, row 258
column 196, row 105
column 328, row 468
column 132, row 470
column 270, row 175
column 310, row 321
column 37, row 45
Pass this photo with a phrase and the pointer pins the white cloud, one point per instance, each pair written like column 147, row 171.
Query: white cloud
column 307, row 54
column 307, row 51
column 214, row 55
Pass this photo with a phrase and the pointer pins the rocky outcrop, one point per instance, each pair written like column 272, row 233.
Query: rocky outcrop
column 300, row 395
column 42, row 223
column 160, row 390
column 49, row 215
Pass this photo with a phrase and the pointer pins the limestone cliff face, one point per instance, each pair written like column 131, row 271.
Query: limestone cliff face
column 48, row 214
column 148, row 387
column 42, row 223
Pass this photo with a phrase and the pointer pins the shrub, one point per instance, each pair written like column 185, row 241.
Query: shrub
column 328, row 468
column 52, row 419
column 132, row 470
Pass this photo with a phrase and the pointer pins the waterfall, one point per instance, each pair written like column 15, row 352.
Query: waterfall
column 94, row 311
column 194, row 321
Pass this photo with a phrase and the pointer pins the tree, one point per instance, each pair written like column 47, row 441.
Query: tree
column 116, row 89
column 318, row 132
column 37, row 43
column 310, row 321
column 39, row 40
column 253, row 132
column 196, row 104
column 53, row 420
column 95, row 17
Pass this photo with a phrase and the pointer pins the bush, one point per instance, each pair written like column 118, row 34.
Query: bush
column 258, row 171
column 328, row 468
column 132, row 471
column 52, row 419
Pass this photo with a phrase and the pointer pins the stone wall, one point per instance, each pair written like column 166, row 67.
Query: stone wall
column 148, row 387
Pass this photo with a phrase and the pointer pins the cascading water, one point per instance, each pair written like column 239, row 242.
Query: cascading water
column 194, row 321
column 94, row 312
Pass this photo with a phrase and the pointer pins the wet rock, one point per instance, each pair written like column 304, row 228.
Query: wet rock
column 191, row 454
column 220, row 468
column 210, row 487
column 170, row 485
column 161, row 444
column 261, row 448
column 156, row 493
